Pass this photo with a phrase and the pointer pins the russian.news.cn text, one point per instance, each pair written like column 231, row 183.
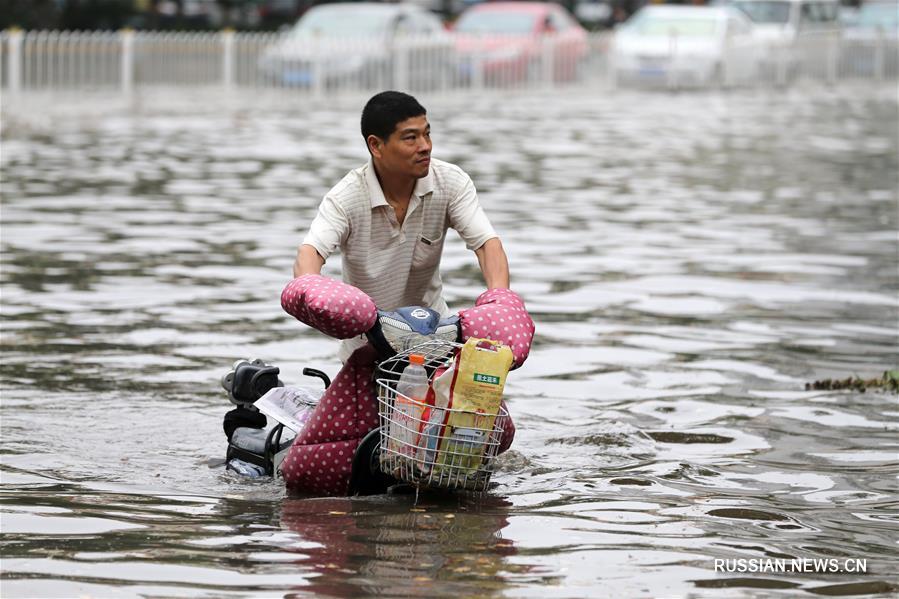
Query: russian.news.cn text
column 792, row 566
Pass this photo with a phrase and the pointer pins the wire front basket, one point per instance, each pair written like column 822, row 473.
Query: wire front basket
column 434, row 447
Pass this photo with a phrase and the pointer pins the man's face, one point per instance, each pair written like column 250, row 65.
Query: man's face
column 407, row 151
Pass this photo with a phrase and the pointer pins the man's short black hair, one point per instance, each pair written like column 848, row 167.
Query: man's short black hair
column 384, row 110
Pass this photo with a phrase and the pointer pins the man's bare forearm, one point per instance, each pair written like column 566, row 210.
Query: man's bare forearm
column 494, row 264
column 308, row 261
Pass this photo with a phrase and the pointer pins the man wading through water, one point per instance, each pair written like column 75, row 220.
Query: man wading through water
column 389, row 217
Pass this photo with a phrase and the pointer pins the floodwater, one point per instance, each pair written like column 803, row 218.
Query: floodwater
column 691, row 262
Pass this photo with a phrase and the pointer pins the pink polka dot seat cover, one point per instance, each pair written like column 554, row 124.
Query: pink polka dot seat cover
column 320, row 460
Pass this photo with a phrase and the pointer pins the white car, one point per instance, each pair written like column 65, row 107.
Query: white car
column 362, row 44
column 685, row 46
column 783, row 21
column 798, row 35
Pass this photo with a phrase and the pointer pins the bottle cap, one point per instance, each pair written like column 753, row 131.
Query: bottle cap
column 416, row 359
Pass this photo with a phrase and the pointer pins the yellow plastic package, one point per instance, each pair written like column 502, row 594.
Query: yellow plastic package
column 475, row 394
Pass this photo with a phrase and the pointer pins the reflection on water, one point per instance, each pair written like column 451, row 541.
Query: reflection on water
column 691, row 262
column 383, row 549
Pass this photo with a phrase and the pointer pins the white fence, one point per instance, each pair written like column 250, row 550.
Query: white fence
column 126, row 61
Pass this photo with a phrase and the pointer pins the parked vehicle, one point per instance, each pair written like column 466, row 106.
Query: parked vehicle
column 594, row 14
column 446, row 9
column 871, row 41
column 193, row 14
column 277, row 13
column 685, row 46
column 362, row 44
column 510, row 42
column 785, row 20
column 796, row 33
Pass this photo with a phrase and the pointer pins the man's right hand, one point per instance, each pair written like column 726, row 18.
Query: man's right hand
column 308, row 261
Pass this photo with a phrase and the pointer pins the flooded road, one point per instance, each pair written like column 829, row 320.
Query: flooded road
column 691, row 262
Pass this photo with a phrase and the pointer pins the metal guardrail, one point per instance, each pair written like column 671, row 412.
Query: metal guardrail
column 125, row 61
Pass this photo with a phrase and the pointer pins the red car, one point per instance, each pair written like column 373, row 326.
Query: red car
column 513, row 42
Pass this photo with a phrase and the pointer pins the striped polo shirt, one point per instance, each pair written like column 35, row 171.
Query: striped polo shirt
column 398, row 265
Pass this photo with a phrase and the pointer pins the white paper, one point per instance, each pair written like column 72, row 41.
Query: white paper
column 288, row 405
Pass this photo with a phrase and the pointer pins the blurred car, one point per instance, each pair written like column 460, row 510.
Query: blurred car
column 509, row 40
column 276, row 13
column 798, row 35
column 594, row 14
column 362, row 44
column 785, row 20
column 686, row 45
column 871, row 40
column 192, row 14
column 444, row 8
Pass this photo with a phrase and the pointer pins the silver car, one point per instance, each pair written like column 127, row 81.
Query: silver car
column 685, row 46
column 362, row 45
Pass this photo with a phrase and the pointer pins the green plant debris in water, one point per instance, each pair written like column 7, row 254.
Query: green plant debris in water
column 889, row 382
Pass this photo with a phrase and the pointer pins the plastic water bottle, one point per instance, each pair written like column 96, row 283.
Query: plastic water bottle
column 411, row 388
column 434, row 415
